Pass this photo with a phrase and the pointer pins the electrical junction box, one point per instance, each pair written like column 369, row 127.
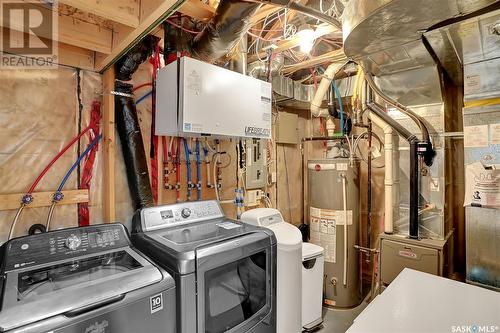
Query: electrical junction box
column 195, row 98
column 287, row 128
column 255, row 164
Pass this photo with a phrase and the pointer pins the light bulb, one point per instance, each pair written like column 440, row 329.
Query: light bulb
column 306, row 39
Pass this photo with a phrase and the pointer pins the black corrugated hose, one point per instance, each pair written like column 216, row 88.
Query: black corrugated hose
column 127, row 123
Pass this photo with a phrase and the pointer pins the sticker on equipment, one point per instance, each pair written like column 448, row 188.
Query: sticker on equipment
column 156, row 303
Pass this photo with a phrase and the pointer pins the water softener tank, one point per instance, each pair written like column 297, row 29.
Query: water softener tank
column 333, row 182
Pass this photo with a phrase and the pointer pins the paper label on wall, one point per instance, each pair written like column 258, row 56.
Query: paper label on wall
column 472, row 84
column 482, row 186
column 476, row 136
column 323, row 229
column 495, row 134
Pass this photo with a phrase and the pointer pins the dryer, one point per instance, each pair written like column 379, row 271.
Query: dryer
column 225, row 271
column 86, row 279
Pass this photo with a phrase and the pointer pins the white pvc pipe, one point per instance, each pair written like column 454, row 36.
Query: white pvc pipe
column 344, row 197
column 395, row 176
column 323, row 87
column 391, row 156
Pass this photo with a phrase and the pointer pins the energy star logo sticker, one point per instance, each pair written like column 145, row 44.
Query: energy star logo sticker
column 29, row 29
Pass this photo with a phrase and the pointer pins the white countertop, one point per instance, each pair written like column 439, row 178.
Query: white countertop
column 423, row 303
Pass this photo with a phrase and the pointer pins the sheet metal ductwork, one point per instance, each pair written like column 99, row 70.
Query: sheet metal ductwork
column 127, row 124
column 224, row 31
column 397, row 41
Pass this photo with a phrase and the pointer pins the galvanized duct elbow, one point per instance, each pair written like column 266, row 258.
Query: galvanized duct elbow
column 127, row 124
column 230, row 23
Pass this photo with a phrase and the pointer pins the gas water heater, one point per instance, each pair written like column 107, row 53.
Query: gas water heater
column 334, row 225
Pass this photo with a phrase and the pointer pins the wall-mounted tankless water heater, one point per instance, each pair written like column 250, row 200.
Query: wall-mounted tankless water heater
column 195, row 98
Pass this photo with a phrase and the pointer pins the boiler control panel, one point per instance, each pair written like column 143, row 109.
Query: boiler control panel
column 160, row 217
column 63, row 244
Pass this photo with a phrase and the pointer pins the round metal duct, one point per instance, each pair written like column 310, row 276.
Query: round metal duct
column 371, row 26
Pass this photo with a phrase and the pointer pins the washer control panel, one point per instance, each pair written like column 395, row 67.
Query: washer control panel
column 63, row 244
column 182, row 213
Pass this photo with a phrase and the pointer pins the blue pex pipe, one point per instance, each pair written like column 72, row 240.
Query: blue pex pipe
column 337, row 93
column 188, row 167
column 77, row 162
column 198, row 168
column 140, row 99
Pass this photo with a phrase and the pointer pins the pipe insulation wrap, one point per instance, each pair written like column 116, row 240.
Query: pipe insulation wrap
column 224, row 31
column 134, row 155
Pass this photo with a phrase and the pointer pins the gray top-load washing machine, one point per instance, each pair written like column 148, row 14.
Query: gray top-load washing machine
column 86, row 279
column 225, row 270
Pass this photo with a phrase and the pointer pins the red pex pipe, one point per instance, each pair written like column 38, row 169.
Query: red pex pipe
column 40, row 176
column 142, row 85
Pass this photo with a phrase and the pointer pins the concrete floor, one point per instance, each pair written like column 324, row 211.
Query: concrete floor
column 338, row 321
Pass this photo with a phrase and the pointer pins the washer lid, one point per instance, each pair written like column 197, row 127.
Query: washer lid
column 310, row 250
column 287, row 235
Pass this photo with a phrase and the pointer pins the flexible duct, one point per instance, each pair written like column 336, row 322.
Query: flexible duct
column 134, row 155
column 128, row 64
column 224, row 31
column 323, row 87
column 127, row 123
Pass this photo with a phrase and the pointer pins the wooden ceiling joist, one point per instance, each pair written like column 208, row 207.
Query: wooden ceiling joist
column 321, row 30
column 153, row 12
column 263, row 12
column 67, row 55
column 197, row 10
column 73, row 32
column 333, row 56
column 273, row 31
column 125, row 12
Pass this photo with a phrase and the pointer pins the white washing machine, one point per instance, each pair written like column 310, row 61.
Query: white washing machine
column 312, row 286
column 289, row 266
